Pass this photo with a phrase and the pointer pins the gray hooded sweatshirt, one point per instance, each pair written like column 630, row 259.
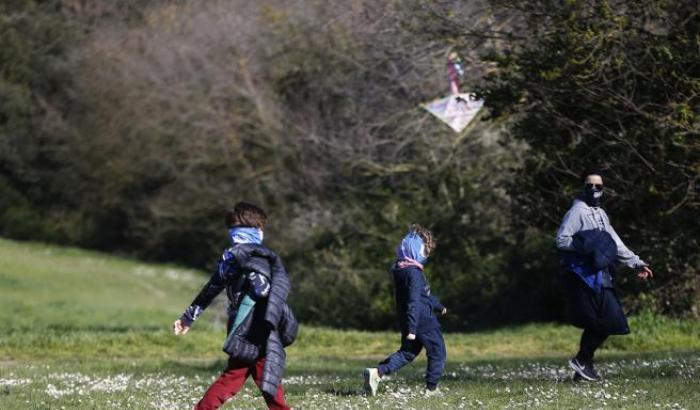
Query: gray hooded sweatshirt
column 582, row 217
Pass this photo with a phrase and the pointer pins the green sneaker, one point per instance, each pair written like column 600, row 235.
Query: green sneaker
column 372, row 380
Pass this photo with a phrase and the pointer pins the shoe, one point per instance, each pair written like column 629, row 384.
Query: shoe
column 593, row 372
column 584, row 370
column 577, row 378
column 433, row 393
column 372, row 380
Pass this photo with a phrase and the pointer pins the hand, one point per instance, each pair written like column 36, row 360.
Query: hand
column 179, row 328
column 444, row 311
column 410, row 336
column 645, row 273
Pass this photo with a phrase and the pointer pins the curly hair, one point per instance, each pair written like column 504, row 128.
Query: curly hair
column 426, row 235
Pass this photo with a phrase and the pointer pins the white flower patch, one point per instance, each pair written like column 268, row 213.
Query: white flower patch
column 628, row 383
column 111, row 384
column 685, row 368
column 309, row 380
column 526, row 371
column 160, row 391
column 11, row 382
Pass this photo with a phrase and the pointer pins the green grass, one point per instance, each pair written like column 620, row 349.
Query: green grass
column 84, row 330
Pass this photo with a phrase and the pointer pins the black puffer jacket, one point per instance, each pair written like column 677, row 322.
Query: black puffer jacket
column 271, row 326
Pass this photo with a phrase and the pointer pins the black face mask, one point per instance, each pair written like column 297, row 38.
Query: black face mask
column 593, row 195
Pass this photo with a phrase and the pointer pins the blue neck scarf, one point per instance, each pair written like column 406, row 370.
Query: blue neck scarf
column 245, row 234
column 412, row 248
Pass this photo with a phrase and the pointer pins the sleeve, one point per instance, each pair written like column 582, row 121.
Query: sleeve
column 624, row 254
column 211, row 289
column 435, row 303
column 569, row 226
column 413, row 313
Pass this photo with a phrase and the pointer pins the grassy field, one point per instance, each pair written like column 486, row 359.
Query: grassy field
column 83, row 330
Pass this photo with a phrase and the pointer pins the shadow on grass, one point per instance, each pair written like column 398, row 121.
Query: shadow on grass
column 341, row 392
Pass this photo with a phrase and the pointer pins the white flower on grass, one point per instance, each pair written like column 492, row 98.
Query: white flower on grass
column 12, row 382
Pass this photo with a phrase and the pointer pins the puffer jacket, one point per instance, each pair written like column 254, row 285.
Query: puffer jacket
column 230, row 275
column 271, row 326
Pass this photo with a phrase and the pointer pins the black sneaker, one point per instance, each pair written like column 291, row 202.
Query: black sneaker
column 584, row 370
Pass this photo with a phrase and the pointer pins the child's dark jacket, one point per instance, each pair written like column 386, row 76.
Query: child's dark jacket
column 415, row 305
column 271, row 326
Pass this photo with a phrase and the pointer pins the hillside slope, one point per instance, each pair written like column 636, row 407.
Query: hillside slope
column 86, row 330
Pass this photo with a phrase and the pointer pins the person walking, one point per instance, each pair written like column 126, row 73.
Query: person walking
column 589, row 249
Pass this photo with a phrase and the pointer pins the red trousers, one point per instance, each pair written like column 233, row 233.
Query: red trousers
column 231, row 382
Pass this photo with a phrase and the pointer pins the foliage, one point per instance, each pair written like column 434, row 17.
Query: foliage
column 34, row 39
column 130, row 126
column 613, row 85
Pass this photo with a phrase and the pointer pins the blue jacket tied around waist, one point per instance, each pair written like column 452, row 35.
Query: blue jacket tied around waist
column 592, row 302
column 594, row 256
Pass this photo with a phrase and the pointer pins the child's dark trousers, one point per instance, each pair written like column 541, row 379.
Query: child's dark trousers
column 434, row 348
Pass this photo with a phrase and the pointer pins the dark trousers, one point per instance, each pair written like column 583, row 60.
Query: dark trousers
column 592, row 339
column 590, row 342
column 434, row 348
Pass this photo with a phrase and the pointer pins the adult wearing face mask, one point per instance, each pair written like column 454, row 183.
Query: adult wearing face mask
column 589, row 249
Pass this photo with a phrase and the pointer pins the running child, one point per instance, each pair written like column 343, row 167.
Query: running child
column 415, row 312
column 260, row 322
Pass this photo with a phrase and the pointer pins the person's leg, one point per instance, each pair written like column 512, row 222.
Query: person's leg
column 590, row 342
column 405, row 355
column 592, row 338
column 437, row 355
column 273, row 403
column 226, row 386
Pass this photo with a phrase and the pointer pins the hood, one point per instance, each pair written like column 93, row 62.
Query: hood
column 412, row 248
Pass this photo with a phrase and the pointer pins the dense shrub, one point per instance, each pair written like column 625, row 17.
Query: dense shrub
column 130, row 126
column 613, row 85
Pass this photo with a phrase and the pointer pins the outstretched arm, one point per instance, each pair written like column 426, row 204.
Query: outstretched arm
column 626, row 256
column 204, row 298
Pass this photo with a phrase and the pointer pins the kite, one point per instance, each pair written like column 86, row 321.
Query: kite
column 460, row 108
column 457, row 110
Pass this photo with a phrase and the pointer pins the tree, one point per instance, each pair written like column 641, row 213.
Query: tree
column 612, row 84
